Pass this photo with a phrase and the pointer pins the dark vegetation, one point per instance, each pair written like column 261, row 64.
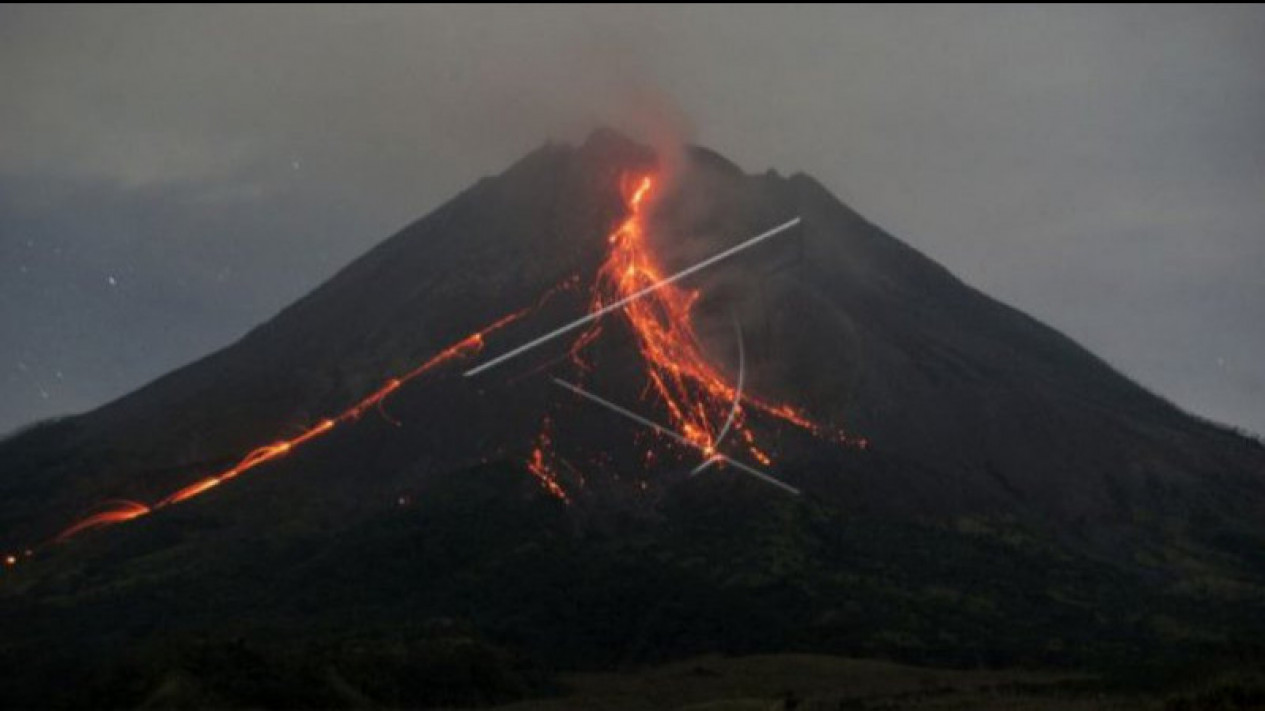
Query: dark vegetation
column 484, row 588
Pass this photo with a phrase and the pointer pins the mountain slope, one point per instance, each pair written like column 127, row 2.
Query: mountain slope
column 997, row 447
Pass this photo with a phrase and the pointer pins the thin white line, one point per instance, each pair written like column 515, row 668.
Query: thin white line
column 706, row 463
column 625, row 412
column 733, row 409
column 628, row 299
column 679, row 438
column 758, row 474
column 742, row 373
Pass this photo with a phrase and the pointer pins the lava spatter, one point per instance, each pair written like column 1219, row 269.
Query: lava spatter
column 540, row 464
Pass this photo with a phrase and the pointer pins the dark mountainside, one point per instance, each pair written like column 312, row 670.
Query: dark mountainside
column 1020, row 503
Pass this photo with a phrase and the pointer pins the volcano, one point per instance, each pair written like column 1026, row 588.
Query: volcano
column 961, row 482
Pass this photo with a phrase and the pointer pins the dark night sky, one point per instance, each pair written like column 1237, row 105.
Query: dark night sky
column 170, row 177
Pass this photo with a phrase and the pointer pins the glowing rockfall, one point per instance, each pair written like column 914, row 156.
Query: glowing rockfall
column 698, row 397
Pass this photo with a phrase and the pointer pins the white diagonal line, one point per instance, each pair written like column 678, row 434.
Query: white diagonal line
column 757, row 473
column 632, row 297
column 678, row 437
column 705, row 464
column 625, row 412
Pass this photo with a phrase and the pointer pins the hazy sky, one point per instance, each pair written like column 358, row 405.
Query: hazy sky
column 170, row 177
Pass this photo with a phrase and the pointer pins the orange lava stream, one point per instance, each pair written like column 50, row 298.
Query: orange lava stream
column 539, row 465
column 121, row 511
column 118, row 512
column 695, row 394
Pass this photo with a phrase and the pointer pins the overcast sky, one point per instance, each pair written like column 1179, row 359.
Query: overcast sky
column 171, row 177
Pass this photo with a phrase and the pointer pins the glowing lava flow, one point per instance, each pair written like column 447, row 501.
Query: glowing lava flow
column 120, row 511
column 538, row 465
column 699, row 400
column 697, row 397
